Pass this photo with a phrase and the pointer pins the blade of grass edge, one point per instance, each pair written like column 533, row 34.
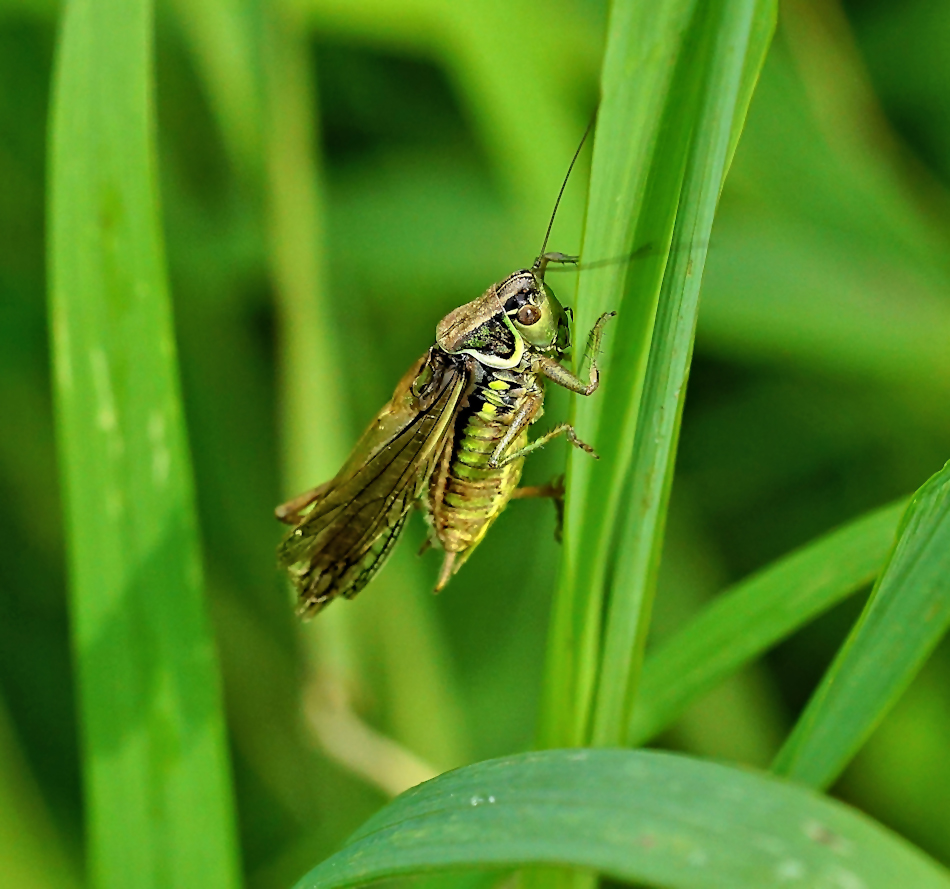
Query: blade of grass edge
column 159, row 808
column 728, row 31
column 906, row 616
column 750, row 617
column 657, row 818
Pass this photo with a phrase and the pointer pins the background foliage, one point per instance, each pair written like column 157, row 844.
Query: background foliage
column 422, row 145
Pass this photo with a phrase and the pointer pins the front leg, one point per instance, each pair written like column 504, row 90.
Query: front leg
column 529, row 411
column 559, row 374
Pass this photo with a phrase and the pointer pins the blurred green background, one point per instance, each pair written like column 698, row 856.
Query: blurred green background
column 396, row 158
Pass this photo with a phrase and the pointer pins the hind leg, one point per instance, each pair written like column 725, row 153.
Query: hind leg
column 289, row 512
column 553, row 489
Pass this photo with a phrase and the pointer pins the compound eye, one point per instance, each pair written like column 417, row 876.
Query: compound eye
column 528, row 315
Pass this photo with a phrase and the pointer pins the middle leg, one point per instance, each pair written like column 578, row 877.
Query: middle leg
column 561, row 429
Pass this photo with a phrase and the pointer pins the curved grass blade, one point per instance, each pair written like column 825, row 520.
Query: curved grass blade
column 158, row 793
column 659, row 818
column 652, row 77
column 907, row 615
column 732, row 44
column 636, row 85
column 756, row 613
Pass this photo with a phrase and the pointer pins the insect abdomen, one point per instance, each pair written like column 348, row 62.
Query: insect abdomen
column 473, row 493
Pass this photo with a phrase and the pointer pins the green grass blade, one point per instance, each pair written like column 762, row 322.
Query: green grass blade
column 907, row 615
column 748, row 619
column 650, row 83
column 312, row 395
column 658, row 818
column 158, row 793
column 721, row 84
column 633, row 194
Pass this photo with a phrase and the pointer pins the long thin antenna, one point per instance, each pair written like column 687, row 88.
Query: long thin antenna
column 641, row 252
column 557, row 203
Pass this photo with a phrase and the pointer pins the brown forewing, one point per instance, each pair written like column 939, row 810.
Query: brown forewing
column 346, row 535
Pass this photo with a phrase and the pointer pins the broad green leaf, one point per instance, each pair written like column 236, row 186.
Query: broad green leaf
column 158, row 793
column 907, row 615
column 734, row 37
column 656, row 818
column 752, row 616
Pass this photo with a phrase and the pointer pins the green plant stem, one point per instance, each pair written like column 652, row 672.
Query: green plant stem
column 728, row 28
column 643, row 44
column 656, row 80
column 311, row 390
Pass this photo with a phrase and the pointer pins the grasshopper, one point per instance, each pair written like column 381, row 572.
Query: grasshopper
column 452, row 440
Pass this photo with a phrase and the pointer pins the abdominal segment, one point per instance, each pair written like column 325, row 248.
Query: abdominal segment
column 465, row 494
